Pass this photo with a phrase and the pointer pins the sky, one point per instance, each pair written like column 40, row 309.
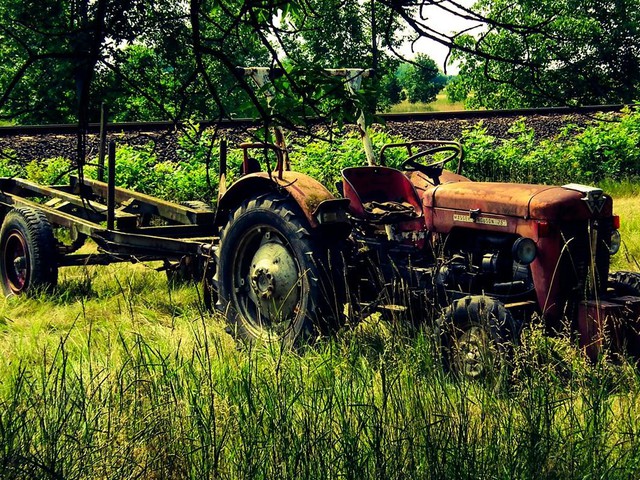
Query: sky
column 444, row 22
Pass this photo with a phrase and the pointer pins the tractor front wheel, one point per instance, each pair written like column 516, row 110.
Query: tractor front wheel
column 627, row 283
column 477, row 334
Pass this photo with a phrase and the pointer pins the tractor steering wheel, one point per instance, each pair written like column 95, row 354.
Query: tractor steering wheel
column 434, row 169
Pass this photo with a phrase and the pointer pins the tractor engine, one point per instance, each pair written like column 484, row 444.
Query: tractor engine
column 486, row 263
column 548, row 246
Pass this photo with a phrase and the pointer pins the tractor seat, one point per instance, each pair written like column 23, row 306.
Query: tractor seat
column 380, row 194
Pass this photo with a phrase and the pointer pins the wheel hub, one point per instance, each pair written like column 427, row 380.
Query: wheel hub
column 262, row 282
column 20, row 263
column 15, row 263
column 273, row 277
column 473, row 352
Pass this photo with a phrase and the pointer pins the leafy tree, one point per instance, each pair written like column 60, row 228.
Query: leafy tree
column 52, row 50
column 26, row 55
column 422, row 80
column 164, row 75
column 390, row 85
column 171, row 60
column 343, row 34
column 175, row 60
column 568, row 52
column 67, row 56
column 456, row 89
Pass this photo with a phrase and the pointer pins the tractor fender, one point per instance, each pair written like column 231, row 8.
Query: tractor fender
column 311, row 196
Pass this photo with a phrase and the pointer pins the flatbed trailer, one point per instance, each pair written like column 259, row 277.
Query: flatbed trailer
column 125, row 225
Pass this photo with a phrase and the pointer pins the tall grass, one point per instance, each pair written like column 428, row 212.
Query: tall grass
column 120, row 377
column 628, row 258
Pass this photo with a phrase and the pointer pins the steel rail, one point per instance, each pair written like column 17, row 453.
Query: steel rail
column 164, row 126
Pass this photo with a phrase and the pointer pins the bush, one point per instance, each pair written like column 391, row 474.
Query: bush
column 9, row 167
column 139, row 169
column 325, row 161
column 606, row 150
column 50, row 171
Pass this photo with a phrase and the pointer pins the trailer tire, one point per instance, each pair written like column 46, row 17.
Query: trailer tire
column 273, row 278
column 29, row 255
column 477, row 334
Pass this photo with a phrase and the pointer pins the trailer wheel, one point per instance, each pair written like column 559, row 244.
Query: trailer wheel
column 478, row 334
column 28, row 250
column 272, row 274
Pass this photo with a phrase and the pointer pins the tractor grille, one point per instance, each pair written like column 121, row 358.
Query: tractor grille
column 584, row 265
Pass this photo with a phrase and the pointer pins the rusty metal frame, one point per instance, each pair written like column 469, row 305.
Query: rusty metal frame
column 84, row 215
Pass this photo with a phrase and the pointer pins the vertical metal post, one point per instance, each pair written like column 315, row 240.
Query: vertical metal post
column 111, row 187
column 354, row 80
column 103, row 141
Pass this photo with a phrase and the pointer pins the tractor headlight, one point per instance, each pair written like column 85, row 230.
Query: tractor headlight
column 614, row 243
column 524, row 251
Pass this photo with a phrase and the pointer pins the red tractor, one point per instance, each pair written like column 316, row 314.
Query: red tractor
column 483, row 256
column 480, row 258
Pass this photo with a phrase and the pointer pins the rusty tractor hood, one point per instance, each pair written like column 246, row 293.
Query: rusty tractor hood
column 542, row 202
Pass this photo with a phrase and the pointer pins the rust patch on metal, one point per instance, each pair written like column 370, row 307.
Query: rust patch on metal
column 306, row 191
column 496, row 198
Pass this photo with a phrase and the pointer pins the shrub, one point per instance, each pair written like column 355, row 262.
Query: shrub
column 49, row 171
column 138, row 168
column 9, row 167
column 605, row 150
column 325, row 160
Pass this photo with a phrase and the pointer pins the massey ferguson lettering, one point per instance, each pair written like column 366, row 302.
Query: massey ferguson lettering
column 497, row 222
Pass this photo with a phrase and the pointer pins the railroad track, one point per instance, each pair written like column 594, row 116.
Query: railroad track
column 24, row 143
column 462, row 115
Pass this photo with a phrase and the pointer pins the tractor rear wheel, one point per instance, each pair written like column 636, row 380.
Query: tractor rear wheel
column 478, row 334
column 28, row 250
column 272, row 275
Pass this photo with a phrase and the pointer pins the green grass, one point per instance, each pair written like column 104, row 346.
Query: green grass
column 117, row 376
column 133, row 382
column 628, row 258
column 441, row 104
